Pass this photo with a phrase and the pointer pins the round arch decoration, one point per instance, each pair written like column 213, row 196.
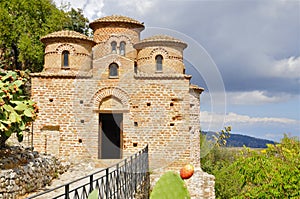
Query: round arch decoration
column 67, row 47
column 159, row 51
column 116, row 92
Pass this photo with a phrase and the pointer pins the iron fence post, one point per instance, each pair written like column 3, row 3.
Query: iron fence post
column 118, row 196
column 91, row 183
column 126, row 194
column 67, row 191
column 147, row 171
column 107, row 184
column 136, row 158
column 131, row 173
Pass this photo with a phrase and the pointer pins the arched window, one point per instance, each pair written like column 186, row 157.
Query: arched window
column 114, row 47
column 122, row 48
column 158, row 60
column 113, row 70
column 65, row 59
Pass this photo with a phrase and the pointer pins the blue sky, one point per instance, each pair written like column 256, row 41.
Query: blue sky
column 253, row 47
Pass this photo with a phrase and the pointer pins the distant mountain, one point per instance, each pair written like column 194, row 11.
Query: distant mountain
column 238, row 140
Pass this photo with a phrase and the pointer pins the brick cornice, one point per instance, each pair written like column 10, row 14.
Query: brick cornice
column 161, row 76
column 69, row 74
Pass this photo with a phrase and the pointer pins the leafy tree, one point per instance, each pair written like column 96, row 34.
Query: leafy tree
column 77, row 21
column 16, row 110
column 228, row 181
column 273, row 172
column 23, row 23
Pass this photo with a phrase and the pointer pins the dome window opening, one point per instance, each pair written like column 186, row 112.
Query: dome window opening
column 159, row 60
column 65, row 59
column 113, row 70
column 113, row 47
column 122, row 48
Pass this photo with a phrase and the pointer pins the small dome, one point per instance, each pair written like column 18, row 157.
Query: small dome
column 66, row 34
column 159, row 40
column 116, row 19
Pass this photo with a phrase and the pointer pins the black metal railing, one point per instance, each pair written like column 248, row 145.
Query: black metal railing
column 126, row 180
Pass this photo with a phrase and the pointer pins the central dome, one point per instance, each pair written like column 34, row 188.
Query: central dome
column 117, row 20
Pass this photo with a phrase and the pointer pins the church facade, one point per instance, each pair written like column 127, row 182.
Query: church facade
column 108, row 96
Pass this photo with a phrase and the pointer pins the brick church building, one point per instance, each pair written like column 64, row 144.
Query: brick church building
column 108, row 96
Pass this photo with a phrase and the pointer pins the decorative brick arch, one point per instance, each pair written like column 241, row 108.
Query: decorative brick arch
column 159, row 51
column 116, row 92
column 119, row 38
column 67, row 47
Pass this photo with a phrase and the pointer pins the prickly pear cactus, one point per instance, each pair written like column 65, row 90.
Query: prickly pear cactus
column 170, row 186
column 93, row 194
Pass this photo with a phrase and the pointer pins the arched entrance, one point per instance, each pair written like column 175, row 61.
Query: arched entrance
column 112, row 104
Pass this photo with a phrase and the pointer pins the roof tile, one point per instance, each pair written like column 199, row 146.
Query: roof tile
column 66, row 34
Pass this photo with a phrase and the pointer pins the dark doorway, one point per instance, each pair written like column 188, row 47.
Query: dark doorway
column 110, row 136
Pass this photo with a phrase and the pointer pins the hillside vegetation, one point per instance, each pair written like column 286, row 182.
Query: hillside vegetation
column 273, row 172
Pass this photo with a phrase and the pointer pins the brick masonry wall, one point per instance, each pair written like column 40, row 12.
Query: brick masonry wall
column 55, row 98
column 195, row 127
column 104, row 48
column 103, row 34
column 154, row 113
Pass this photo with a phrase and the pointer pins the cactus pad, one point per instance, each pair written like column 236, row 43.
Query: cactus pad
column 170, row 186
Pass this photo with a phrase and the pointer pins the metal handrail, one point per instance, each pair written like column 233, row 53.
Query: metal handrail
column 122, row 180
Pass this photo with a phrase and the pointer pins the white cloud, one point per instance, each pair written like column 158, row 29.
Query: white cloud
column 92, row 9
column 236, row 118
column 289, row 68
column 140, row 7
column 255, row 97
column 74, row 3
column 208, row 118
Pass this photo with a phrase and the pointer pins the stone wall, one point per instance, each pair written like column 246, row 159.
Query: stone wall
column 24, row 171
column 154, row 112
column 201, row 185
